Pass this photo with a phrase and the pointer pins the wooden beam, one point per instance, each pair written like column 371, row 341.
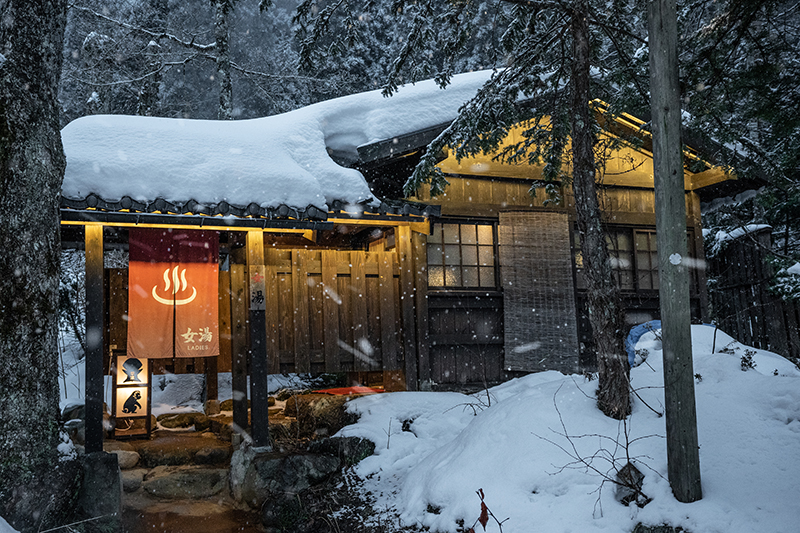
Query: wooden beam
column 239, row 345
column 419, row 248
column 711, row 176
column 95, row 327
column 407, row 278
column 259, row 367
column 388, row 314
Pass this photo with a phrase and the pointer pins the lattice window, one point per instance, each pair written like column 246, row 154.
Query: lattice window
column 634, row 258
column 462, row 256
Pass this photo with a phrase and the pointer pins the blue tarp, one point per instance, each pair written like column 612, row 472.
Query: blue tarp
column 636, row 334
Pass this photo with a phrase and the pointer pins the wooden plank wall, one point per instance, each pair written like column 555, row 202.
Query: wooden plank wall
column 743, row 305
column 334, row 311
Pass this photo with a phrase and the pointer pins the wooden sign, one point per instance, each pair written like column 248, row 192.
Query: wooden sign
column 131, row 396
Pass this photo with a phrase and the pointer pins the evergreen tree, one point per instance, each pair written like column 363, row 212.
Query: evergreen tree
column 742, row 84
column 558, row 57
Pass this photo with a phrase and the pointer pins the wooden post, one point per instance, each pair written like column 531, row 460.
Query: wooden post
column 419, row 247
column 259, row 368
column 406, row 259
column 239, row 346
column 94, row 338
column 683, row 456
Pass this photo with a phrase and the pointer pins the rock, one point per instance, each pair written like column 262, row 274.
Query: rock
column 73, row 411
column 210, row 456
column 258, row 474
column 350, row 450
column 641, row 528
column 629, row 486
column 185, row 420
column 169, row 448
column 185, row 482
column 319, row 413
column 76, row 429
column 132, row 479
column 283, row 512
column 227, row 405
column 112, row 445
column 127, row 459
column 100, row 495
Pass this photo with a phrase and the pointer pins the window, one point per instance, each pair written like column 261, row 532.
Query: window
column 634, row 259
column 462, row 256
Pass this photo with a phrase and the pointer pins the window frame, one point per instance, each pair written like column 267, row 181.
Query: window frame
column 444, row 264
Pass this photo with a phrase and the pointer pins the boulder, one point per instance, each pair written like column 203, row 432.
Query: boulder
column 184, row 420
column 350, row 450
column 76, row 429
column 112, row 445
column 318, row 414
column 73, row 411
column 227, row 405
column 258, row 474
column 100, row 496
column 212, row 455
column 132, row 479
column 185, row 482
column 127, row 459
column 171, row 448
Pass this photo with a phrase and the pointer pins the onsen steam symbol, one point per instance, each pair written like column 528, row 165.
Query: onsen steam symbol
column 177, row 285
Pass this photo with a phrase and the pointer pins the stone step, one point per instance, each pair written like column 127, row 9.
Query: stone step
column 184, row 482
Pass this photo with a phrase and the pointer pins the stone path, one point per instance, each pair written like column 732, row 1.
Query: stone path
column 178, row 482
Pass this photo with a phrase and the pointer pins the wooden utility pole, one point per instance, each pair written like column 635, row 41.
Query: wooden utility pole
column 683, row 457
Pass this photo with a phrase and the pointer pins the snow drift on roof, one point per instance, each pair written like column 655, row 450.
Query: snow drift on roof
column 272, row 161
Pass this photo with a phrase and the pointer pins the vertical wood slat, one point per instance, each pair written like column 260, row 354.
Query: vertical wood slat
column 358, row 283
column 225, row 337
column 387, row 311
column 419, row 248
column 302, row 355
column 94, row 338
column 272, row 311
column 330, row 311
column 407, row 278
column 239, row 344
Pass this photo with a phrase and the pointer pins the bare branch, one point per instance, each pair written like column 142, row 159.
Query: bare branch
column 152, row 34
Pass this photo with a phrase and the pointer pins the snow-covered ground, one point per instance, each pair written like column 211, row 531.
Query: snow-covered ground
column 436, row 450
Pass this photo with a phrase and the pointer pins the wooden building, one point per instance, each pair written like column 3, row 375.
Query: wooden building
column 467, row 289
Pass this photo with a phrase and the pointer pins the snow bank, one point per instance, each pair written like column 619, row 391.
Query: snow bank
column 435, row 450
column 282, row 159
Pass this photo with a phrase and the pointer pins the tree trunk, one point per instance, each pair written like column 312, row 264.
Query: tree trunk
column 683, row 452
column 149, row 91
column 32, row 479
column 222, row 11
column 604, row 306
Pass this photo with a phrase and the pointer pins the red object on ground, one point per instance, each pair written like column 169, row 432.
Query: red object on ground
column 347, row 391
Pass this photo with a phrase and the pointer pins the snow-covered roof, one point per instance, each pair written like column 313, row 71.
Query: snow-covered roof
column 266, row 164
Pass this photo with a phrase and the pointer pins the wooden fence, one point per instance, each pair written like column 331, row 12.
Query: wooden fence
column 331, row 311
column 742, row 303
